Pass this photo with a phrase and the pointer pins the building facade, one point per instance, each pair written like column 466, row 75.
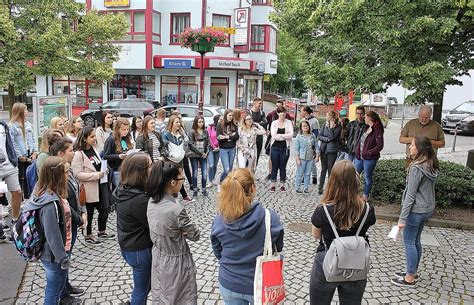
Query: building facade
column 155, row 67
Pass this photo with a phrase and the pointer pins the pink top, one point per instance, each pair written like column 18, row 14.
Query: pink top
column 67, row 222
column 211, row 130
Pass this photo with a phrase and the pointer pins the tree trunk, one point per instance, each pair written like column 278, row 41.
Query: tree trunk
column 437, row 107
column 11, row 97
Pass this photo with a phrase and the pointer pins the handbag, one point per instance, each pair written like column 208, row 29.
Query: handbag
column 82, row 194
column 268, row 286
column 175, row 152
column 347, row 259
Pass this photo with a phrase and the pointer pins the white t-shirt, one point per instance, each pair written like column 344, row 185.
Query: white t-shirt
column 3, row 145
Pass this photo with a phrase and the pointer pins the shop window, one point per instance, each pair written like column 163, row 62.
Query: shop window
column 179, row 22
column 257, row 41
column 222, row 21
column 266, row 2
column 83, row 92
column 140, row 86
column 179, row 90
column 156, row 32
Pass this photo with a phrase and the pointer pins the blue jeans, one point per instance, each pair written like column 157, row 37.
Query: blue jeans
column 212, row 160
column 234, row 298
column 195, row 165
column 55, row 281
column 227, row 159
column 279, row 158
column 68, row 285
column 321, row 291
column 368, row 166
column 411, row 238
column 303, row 171
column 140, row 261
column 116, row 179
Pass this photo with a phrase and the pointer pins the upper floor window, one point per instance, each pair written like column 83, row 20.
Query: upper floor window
column 273, row 40
column 222, row 21
column 156, row 27
column 136, row 24
column 257, row 40
column 179, row 22
column 267, row 2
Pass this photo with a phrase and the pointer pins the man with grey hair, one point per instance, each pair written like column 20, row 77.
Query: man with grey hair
column 422, row 126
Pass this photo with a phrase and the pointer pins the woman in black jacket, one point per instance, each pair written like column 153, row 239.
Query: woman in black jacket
column 329, row 136
column 227, row 135
column 150, row 141
column 132, row 225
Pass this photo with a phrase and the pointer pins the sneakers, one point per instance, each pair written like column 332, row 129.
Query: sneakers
column 320, row 191
column 5, row 213
column 189, row 199
column 315, row 180
column 402, row 275
column 92, row 241
column 195, row 193
column 299, row 192
column 268, row 177
column 210, row 184
column 272, row 189
column 402, row 283
column 5, row 239
column 6, row 228
column 218, row 188
column 76, row 292
column 282, row 189
column 306, row 191
column 204, row 193
column 105, row 235
column 70, row 300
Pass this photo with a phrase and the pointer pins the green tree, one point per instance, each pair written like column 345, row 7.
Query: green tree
column 369, row 45
column 56, row 38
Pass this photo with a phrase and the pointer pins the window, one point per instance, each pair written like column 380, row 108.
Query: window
column 179, row 22
column 156, row 27
column 222, row 21
column 257, row 41
column 141, row 86
column 273, row 40
column 267, row 2
column 178, row 89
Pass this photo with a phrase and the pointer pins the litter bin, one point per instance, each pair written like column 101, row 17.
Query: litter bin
column 470, row 159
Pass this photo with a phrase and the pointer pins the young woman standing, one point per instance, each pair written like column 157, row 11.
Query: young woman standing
column 132, row 224
column 150, row 140
column 173, row 278
column 199, row 146
column 238, row 235
column 368, row 150
column 247, row 143
column 347, row 210
column 306, row 146
column 49, row 136
column 213, row 155
column 227, row 135
column 136, row 128
column 282, row 135
column 86, row 166
column 418, row 204
column 23, row 140
column 116, row 147
column 104, row 130
column 75, row 126
column 329, row 136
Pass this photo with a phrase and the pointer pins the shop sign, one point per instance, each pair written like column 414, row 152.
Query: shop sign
column 177, row 63
column 225, row 30
column 116, row 3
column 229, row 64
column 241, row 24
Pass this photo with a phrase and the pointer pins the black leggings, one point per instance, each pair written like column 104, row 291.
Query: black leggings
column 259, row 148
column 101, row 221
column 187, row 172
column 327, row 162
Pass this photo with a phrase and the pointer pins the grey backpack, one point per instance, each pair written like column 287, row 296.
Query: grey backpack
column 347, row 259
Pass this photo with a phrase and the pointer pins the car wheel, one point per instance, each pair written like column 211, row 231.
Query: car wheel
column 89, row 121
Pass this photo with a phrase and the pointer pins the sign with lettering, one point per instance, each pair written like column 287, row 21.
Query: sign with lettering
column 229, row 64
column 225, row 30
column 116, row 3
column 177, row 63
column 241, row 24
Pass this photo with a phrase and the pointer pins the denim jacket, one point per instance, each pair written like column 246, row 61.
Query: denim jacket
column 301, row 144
column 11, row 154
column 21, row 148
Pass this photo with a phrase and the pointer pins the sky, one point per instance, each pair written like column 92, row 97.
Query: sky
column 453, row 96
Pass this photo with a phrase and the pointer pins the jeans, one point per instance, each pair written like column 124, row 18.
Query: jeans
column 227, row 156
column 279, row 157
column 55, row 281
column 101, row 221
column 303, row 171
column 368, row 167
column 116, row 179
column 140, row 261
column 411, row 238
column 195, row 165
column 234, row 298
column 321, row 292
column 212, row 160
column 327, row 162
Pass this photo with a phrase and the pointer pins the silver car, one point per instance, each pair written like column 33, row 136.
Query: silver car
column 189, row 112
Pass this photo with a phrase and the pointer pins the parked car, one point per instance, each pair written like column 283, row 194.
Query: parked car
column 189, row 112
column 462, row 116
column 127, row 108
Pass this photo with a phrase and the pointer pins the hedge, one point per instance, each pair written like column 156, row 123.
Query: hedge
column 454, row 186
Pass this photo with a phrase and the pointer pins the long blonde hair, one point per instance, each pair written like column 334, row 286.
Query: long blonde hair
column 18, row 116
column 343, row 192
column 236, row 196
column 53, row 177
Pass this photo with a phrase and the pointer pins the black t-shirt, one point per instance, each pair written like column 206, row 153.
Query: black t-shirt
column 280, row 143
column 320, row 220
column 93, row 158
column 259, row 118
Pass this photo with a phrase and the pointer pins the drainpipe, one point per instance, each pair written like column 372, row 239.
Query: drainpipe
column 203, row 13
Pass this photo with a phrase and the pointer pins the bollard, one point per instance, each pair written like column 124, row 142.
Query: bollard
column 470, row 159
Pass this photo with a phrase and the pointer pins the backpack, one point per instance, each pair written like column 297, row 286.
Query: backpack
column 28, row 235
column 31, row 177
column 347, row 259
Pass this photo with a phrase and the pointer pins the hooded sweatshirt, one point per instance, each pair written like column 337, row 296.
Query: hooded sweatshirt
column 237, row 245
column 52, row 220
column 132, row 224
column 419, row 193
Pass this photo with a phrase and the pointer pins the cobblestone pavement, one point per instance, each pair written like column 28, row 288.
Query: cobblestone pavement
column 446, row 267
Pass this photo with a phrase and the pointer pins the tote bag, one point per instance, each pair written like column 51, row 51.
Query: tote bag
column 175, row 152
column 268, row 286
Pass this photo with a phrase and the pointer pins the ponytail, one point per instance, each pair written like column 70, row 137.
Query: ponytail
column 236, row 195
column 161, row 174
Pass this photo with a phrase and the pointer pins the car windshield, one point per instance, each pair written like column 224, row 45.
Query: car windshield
column 220, row 111
column 465, row 107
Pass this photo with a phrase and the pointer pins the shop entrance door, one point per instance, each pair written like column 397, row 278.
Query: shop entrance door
column 219, row 91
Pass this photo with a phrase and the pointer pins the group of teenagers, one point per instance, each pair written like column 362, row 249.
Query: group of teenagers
column 153, row 227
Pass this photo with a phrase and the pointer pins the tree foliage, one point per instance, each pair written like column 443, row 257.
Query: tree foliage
column 56, row 38
column 369, row 45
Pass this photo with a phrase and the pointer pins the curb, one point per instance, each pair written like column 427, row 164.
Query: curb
column 433, row 222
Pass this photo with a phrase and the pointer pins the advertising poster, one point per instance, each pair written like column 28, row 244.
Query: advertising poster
column 190, row 98
column 47, row 107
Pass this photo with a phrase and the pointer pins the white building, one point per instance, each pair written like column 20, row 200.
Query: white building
column 153, row 65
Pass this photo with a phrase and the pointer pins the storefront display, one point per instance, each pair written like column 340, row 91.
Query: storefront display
column 140, row 86
column 179, row 90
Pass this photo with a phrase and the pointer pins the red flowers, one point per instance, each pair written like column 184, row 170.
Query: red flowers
column 192, row 36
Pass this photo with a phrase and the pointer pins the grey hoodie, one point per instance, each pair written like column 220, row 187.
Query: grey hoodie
column 52, row 220
column 419, row 193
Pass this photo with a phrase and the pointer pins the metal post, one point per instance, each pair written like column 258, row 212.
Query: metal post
column 201, row 85
column 403, row 107
column 455, row 136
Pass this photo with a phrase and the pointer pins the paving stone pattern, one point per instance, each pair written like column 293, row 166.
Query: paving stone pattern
column 446, row 270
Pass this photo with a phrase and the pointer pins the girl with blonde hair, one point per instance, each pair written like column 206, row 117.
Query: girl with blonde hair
column 247, row 143
column 74, row 127
column 238, row 234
